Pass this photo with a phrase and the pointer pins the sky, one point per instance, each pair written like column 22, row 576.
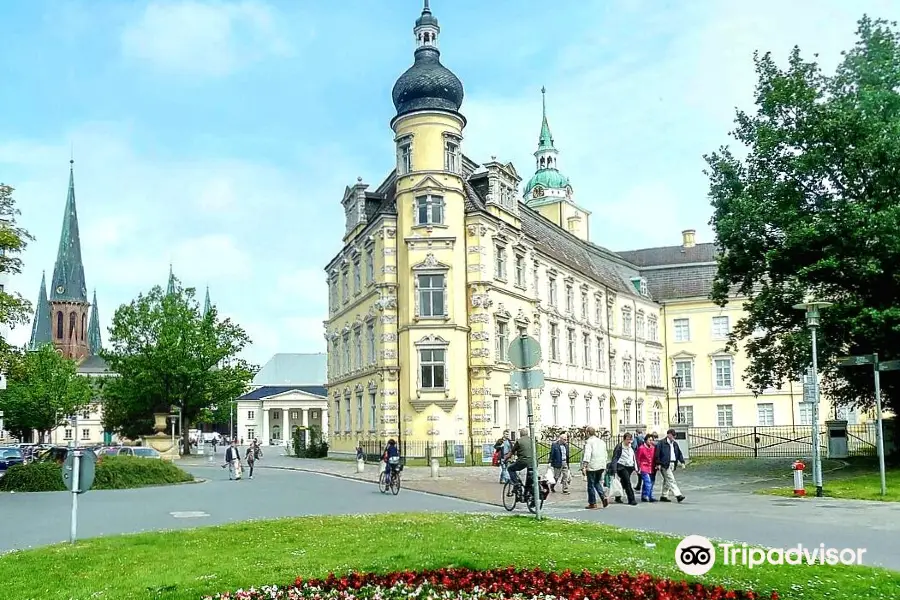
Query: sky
column 218, row 136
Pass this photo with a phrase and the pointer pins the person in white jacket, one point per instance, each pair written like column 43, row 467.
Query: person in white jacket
column 593, row 464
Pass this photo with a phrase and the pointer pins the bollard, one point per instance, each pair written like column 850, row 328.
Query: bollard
column 434, row 467
column 799, row 488
column 360, row 465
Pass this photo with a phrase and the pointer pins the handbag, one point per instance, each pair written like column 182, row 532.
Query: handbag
column 551, row 480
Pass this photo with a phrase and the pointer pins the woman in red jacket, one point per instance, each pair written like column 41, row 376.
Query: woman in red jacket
column 646, row 463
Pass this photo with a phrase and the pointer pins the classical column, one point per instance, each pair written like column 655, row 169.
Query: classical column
column 264, row 439
column 305, row 417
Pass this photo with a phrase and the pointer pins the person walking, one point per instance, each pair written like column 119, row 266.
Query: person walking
column 559, row 460
column 233, row 461
column 636, row 443
column 646, row 461
column 251, row 458
column 592, row 465
column 668, row 455
column 503, row 448
column 623, row 464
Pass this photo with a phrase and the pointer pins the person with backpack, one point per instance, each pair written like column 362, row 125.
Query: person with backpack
column 501, row 450
column 251, row 458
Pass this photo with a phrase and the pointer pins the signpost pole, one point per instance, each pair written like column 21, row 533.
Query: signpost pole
column 880, row 433
column 817, row 457
column 75, row 483
column 536, row 490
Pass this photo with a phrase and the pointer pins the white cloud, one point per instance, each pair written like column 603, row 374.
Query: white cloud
column 204, row 38
column 639, row 92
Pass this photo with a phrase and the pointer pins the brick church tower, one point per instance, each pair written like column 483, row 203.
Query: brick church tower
column 64, row 317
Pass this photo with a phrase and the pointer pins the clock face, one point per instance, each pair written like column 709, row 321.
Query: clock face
column 538, row 192
column 60, row 289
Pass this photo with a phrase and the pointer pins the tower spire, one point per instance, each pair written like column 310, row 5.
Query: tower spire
column 40, row 328
column 171, row 288
column 68, row 273
column 545, row 141
column 95, row 343
column 207, row 305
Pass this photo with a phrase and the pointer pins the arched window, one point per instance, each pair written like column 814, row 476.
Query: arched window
column 83, row 326
column 73, row 333
column 59, row 324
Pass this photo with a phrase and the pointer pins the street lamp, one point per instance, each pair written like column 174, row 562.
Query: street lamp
column 2, row 429
column 812, row 308
column 678, row 384
column 172, row 419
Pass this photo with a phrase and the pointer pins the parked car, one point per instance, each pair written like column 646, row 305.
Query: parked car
column 138, row 451
column 8, row 457
column 58, row 454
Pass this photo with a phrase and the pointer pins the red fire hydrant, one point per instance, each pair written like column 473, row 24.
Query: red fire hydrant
column 799, row 488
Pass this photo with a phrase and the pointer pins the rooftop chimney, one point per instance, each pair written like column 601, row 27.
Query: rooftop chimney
column 687, row 238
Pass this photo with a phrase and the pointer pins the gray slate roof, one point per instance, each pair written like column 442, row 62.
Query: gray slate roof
column 287, row 369
column 273, row 390
column 93, row 365
column 677, row 272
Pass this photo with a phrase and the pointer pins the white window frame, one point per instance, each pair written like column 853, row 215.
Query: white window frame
column 502, row 332
column 586, row 349
column 626, row 372
column 357, row 277
column 657, row 414
column 373, row 410
column 452, row 154
column 358, row 346
column 721, row 327
column 626, row 321
column 724, row 415
column 551, row 291
column 765, row 414
column 687, row 374
column 251, row 415
column 639, row 326
column 404, row 156
column 725, row 383
column 572, row 411
column 598, row 310
column 571, row 347
column 682, row 330
column 85, row 434
column 500, row 262
column 434, row 206
column 641, row 375
column 570, row 298
column 370, row 341
column 804, row 413
column 520, row 271
column 425, row 354
column 653, row 328
column 370, row 266
column 554, row 342
column 601, row 362
column 431, row 290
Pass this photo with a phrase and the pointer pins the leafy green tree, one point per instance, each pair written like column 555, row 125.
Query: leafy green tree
column 43, row 389
column 168, row 354
column 14, row 309
column 814, row 207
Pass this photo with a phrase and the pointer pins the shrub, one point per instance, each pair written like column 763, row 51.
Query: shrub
column 113, row 473
column 466, row 584
column 34, row 477
column 316, row 447
column 125, row 472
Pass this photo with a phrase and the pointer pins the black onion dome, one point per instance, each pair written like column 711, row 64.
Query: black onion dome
column 426, row 18
column 427, row 85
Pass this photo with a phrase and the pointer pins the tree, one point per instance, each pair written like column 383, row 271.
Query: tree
column 814, row 207
column 14, row 310
column 43, row 390
column 168, row 354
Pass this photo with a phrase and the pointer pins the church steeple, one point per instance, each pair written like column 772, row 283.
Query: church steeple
column 545, row 142
column 40, row 328
column 171, row 287
column 547, row 182
column 95, row 343
column 207, row 305
column 68, row 273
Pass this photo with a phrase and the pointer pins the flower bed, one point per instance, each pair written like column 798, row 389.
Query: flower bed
column 496, row 584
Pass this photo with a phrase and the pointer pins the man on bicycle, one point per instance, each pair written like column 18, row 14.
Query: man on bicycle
column 391, row 458
column 522, row 450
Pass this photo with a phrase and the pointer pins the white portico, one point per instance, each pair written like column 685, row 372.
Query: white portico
column 288, row 393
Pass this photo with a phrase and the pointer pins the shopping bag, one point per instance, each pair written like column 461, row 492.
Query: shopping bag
column 551, row 480
column 238, row 469
column 615, row 489
column 383, row 467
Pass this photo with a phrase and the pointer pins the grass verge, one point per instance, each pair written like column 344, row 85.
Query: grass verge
column 859, row 487
column 187, row 564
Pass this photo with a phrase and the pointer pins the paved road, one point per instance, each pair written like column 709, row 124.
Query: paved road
column 38, row 519
column 28, row 520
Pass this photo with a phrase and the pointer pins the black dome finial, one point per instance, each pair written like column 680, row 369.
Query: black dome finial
column 427, row 85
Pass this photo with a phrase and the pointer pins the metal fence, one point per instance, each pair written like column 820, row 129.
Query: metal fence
column 779, row 441
column 472, row 451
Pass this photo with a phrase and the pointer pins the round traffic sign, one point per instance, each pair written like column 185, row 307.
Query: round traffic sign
column 87, row 467
column 524, row 352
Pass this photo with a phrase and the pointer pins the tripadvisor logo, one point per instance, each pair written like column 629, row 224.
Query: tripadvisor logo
column 696, row 555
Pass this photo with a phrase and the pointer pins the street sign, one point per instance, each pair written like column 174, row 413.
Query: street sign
column 809, row 390
column 527, row 380
column 856, row 361
column 86, row 469
column 524, row 352
column 889, row 365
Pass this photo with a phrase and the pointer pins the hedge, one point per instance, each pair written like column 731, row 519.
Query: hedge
column 113, row 473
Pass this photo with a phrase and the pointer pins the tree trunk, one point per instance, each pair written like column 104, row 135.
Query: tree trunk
column 186, row 439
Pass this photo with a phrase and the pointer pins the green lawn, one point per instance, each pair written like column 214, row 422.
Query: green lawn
column 189, row 563
column 850, row 487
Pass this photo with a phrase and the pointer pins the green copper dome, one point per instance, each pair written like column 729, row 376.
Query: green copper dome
column 549, row 179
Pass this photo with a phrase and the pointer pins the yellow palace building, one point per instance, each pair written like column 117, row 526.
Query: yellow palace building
column 446, row 261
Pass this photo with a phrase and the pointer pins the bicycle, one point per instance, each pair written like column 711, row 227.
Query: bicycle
column 514, row 493
column 390, row 478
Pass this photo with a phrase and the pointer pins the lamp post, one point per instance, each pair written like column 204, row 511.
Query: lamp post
column 812, row 308
column 172, row 419
column 2, row 426
column 231, row 434
column 678, row 384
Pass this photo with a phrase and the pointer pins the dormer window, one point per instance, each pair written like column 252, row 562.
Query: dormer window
column 429, row 210
column 404, row 157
